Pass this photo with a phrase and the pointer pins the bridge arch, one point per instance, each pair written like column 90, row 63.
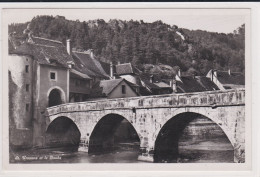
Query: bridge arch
column 167, row 137
column 62, row 132
column 207, row 112
column 108, row 130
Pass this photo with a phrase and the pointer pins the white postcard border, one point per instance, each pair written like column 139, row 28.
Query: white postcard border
column 251, row 48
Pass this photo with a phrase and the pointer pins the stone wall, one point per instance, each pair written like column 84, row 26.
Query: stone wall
column 200, row 99
column 21, row 100
column 20, row 97
column 149, row 114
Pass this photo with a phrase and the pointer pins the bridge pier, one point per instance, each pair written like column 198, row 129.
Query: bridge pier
column 146, row 154
column 239, row 153
column 83, row 145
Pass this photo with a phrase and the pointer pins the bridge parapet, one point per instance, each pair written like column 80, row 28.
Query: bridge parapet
column 198, row 99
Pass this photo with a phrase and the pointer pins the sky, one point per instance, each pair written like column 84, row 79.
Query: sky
column 214, row 20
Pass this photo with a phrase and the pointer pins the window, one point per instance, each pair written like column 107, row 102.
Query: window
column 53, row 76
column 27, row 107
column 26, row 68
column 27, row 87
column 123, row 89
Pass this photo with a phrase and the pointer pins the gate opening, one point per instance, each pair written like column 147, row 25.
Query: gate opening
column 55, row 98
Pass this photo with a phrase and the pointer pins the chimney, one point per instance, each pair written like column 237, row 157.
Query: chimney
column 91, row 53
column 151, row 79
column 229, row 71
column 171, row 83
column 111, row 70
column 174, row 85
column 215, row 73
column 118, row 62
column 68, row 47
column 179, row 72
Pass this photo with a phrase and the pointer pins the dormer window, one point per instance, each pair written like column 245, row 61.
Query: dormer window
column 70, row 64
column 52, row 61
column 123, row 89
column 47, row 59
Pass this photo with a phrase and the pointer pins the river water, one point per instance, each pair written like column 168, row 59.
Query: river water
column 202, row 141
column 201, row 152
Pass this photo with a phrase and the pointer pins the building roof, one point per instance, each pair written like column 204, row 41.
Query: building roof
column 88, row 65
column 126, row 68
column 234, row 78
column 189, row 84
column 195, row 84
column 14, row 41
column 45, row 52
column 206, row 83
column 157, row 81
column 104, row 87
column 80, row 66
column 156, row 85
column 162, row 85
column 79, row 74
column 106, row 67
column 109, row 85
column 47, row 42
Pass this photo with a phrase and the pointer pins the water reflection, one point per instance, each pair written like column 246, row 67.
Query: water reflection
column 71, row 155
column 215, row 151
column 191, row 140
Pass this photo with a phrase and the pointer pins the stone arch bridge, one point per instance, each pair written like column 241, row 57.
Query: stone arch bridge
column 149, row 114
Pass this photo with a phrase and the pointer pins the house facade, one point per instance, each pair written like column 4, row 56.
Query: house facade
column 114, row 88
column 86, row 72
column 39, row 78
column 128, row 72
column 44, row 73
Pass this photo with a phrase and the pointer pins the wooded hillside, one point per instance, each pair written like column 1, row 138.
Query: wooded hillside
column 146, row 43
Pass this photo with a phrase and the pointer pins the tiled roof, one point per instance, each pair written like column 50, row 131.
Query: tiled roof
column 79, row 66
column 15, row 41
column 106, row 67
column 109, row 85
column 86, row 64
column 235, row 78
column 206, row 83
column 151, row 85
column 45, row 54
column 80, row 74
column 189, row 84
column 126, row 68
column 104, row 87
